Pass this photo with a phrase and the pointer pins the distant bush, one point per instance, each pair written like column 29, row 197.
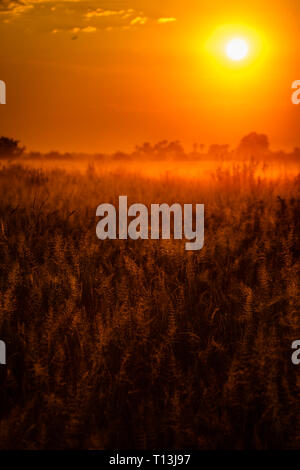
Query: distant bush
column 9, row 148
column 253, row 145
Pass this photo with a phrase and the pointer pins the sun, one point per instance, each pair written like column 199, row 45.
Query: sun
column 237, row 49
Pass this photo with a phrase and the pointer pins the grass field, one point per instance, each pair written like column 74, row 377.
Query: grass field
column 141, row 344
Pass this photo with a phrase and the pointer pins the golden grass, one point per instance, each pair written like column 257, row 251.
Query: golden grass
column 140, row 344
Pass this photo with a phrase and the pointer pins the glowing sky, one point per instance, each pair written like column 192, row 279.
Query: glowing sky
column 106, row 75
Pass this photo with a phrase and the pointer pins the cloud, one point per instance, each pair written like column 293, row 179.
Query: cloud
column 166, row 20
column 139, row 20
column 99, row 12
column 17, row 7
column 83, row 11
column 14, row 7
column 76, row 29
column 86, row 29
column 134, row 17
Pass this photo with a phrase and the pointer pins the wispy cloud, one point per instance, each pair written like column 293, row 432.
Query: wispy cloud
column 14, row 7
column 17, row 7
column 139, row 20
column 86, row 29
column 125, row 18
column 77, row 29
column 83, row 11
column 166, row 20
column 99, row 12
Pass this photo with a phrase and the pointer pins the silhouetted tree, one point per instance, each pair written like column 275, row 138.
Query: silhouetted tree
column 296, row 152
column 253, row 145
column 218, row 152
column 9, row 148
column 145, row 150
column 163, row 150
column 120, row 156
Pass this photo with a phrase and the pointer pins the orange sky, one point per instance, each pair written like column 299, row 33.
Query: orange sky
column 106, row 75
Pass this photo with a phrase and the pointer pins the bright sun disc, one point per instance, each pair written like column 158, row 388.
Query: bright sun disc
column 237, row 49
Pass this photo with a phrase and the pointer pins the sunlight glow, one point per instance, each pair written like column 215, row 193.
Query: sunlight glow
column 237, row 49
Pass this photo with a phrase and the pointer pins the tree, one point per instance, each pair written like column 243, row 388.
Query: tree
column 218, row 152
column 9, row 148
column 163, row 150
column 253, row 145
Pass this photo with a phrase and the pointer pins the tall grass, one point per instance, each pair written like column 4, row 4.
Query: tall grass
column 140, row 344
